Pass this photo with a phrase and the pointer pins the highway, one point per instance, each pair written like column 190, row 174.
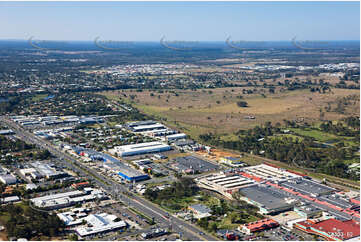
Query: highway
column 116, row 190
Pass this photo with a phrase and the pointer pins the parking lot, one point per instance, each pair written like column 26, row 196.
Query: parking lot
column 134, row 220
column 281, row 233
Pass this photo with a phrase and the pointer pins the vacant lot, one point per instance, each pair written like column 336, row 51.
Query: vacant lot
column 216, row 110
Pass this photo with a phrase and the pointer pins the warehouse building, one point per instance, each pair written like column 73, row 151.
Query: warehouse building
column 150, row 166
column 174, row 137
column 267, row 200
column 126, row 172
column 307, row 187
column 270, row 173
column 11, row 199
column 139, row 149
column 336, row 200
column 30, row 172
column 192, row 164
column 48, row 171
column 113, row 164
column 140, row 123
column 224, row 184
column 8, row 179
column 145, row 128
column 67, row 199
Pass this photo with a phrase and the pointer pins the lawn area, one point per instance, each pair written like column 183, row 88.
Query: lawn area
column 316, row 134
column 294, row 137
column 184, row 202
column 226, row 222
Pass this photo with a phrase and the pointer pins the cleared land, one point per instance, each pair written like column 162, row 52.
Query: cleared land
column 216, row 110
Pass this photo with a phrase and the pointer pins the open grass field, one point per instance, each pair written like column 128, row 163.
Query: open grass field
column 216, row 110
column 317, row 134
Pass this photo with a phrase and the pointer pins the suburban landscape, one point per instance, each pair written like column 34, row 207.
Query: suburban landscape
column 179, row 140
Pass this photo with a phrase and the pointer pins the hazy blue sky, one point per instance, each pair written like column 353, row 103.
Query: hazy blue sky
column 212, row 21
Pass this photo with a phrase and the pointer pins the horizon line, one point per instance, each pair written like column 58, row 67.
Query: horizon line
column 62, row 40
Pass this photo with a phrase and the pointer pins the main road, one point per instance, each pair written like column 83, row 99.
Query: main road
column 118, row 191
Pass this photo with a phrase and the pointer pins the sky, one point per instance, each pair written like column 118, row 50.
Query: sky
column 180, row 21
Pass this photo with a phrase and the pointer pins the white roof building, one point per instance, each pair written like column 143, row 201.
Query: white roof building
column 138, row 149
column 11, row 199
column 98, row 223
column 151, row 127
column 69, row 218
column 8, row 179
column 270, row 173
column 176, row 136
column 224, row 184
column 66, row 199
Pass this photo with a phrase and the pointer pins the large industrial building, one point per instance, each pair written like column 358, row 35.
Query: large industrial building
column 268, row 200
column 42, row 170
column 8, row 179
column 144, row 126
column 125, row 172
column 113, row 164
column 224, row 184
column 48, row 171
column 139, row 149
column 140, row 123
column 174, row 137
column 192, row 164
column 270, row 173
column 331, row 229
column 338, row 201
column 66, row 199
column 307, row 187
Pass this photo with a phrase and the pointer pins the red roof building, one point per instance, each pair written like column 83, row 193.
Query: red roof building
column 259, row 225
column 80, row 185
column 331, row 229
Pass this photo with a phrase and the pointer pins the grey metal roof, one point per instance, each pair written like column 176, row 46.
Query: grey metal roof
column 194, row 163
column 184, row 142
column 336, row 200
column 265, row 196
column 307, row 187
column 201, row 208
column 309, row 209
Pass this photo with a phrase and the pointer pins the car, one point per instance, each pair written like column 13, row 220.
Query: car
column 201, row 233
